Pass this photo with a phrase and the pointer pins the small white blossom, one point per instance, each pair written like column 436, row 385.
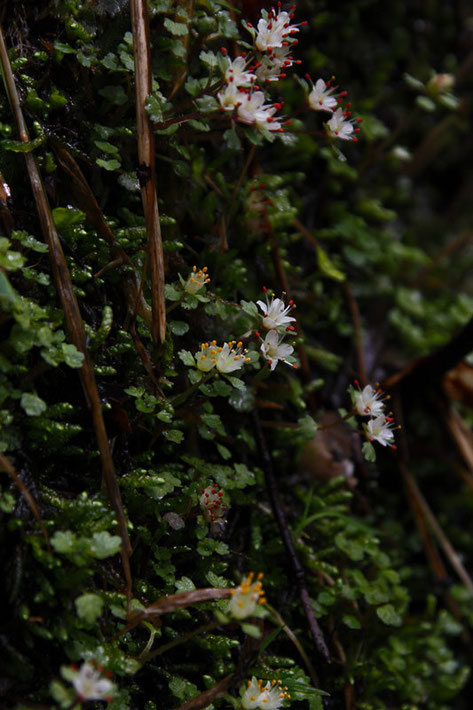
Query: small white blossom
column 230, row 97
column 270, row 696
column 274, row 349
column 276, row 30
column 90, row 685
column 275, row 313
column 380, row 430
column 236, row 72
column 196, row 280
column 211, row 503
column 252, row 109
column 368, row 401
column 230, row 358
column 273, row 65
column 341, row 126
column 246, row 597
column 206, row 358
column 320, row 98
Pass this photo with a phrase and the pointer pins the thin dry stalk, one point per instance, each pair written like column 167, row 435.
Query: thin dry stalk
column 142, row 57
column 206, row 698
column 72, row 316
column 6, row 466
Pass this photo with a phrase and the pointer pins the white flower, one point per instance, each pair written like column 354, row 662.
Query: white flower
column 236, row 73
column 275, row 313
column 230, row 97
column 246, row 597
column 368, row 401
column 380, row 430
column 207, row 357
column 211, row 503
column 252, row 109
column 196, row 280
column 320, row 98
column 274, row 349
column 273, row 64
column 341, row 126
column 89, row 685
column 275, row 31
column 230, row 358
column 270, row 696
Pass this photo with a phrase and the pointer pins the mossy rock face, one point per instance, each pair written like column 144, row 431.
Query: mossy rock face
column 235, row 443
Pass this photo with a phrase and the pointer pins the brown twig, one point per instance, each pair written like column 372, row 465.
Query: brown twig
column 206, row 698
column 357, row 333
column 146, row 157
column 6, row 466
column 72, row 316
column 296, row 565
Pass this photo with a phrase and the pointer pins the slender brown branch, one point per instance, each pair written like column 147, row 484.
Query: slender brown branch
column 72, row 316
column 357, row 333
column 287, row 539
column 6, row 466
column 146, row 157
column 206, row 698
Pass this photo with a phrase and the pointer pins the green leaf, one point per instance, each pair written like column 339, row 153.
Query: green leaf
column 32, row 404
column 389, row 615
column 174, row 435
column 307, row 427
column 67, row 216
column 105, row 545
column 250, row 307
column 351, row 621
column 108, row 164
column 326, row 266
column 177, row 29
column 64, row 541
column 369, row 451
column 106, row 147
column 72, row 356
column 115, row 94
column 89, row 607
column 178, row 327
column 187, row 358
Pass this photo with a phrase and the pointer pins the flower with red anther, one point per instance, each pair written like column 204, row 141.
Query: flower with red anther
column 342, row 126
column 197, row 279
column 322, row 97
column 274, row 29
column 246, row 597
column 380, row 429
column 275, row 312
column 237, row 72
column 212, row 504
column 270, row 696
column 274, row 349
column 368, row 402
column 253, row 110
column 90, row 683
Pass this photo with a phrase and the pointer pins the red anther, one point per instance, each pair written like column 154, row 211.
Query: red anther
column 291, row 302
column 248, row 24
column 74, row 668
column 206, row 495
column 287, row 123
column 203, row 490
column 108, row 699
column 270, row 119
column 304, row 24
column 285, row 44
column 100, row 668
column 211, row 247
column 282, row 76
column 265, row 289
column 307, row 76
column 296, row 41
column 349, row 104
column 224, row 50
column 356, row 383
column 298, row 61
column 270, row 25
column 359, row 120
column 347, row 114
column 243, row 54
column 231, row 79
column 258, row 65
column 270, row 202
column 394, row 447
column 389, row 419
column 221, row 108
column 343, row 93
column 270, row 362
column 357, row 130
column 108, row 674
column 295, row 367
column 286, row 25
column 291, row 16
column 220, row 494
column 262, row 186
column 257, row 88
column 257, row 334
column 355, row 140
column 371, row 438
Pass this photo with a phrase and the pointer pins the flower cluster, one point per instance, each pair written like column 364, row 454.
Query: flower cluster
column 270, row 696
column 212, row 504
column 90, row 683
column 341, row 124
column 369, row 402
column 275, row 316
column 273, row 39
column 246, row 597
column 225, row 358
